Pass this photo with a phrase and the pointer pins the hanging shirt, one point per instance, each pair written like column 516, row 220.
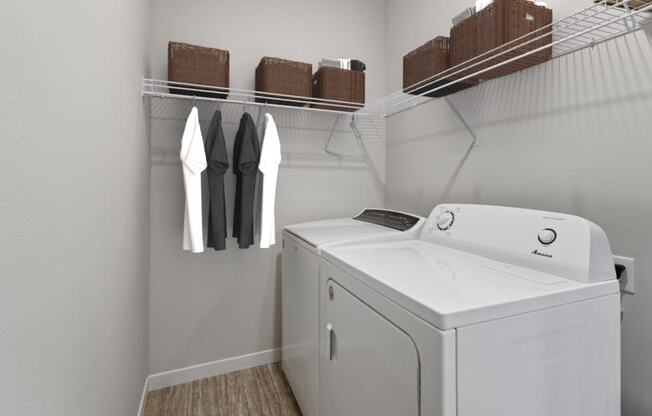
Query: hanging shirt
column 270, row 158
column 193, row 160
column 246, row 154
column 218, row 162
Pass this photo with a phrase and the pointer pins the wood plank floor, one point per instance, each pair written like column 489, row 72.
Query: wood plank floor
column 258, row 391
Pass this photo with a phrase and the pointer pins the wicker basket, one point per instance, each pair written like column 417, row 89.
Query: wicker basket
column 426, row 61
column 280, row 76
column 199, row 65
column 341, row 85
column 507, row 20
column 497, row 24
column 464, row 45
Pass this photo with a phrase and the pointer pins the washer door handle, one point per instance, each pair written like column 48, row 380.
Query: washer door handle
column 332, row 348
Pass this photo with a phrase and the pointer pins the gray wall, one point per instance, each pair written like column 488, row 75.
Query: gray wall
column 73, row 208
column 572, row 135
column 219, row 305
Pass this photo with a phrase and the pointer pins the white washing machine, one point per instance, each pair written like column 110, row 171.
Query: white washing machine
column 302, row 245
column 490, row 311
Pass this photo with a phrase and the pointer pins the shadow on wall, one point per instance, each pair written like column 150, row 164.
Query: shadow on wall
column 309, row 139
column 550, row 90
column 589, row 87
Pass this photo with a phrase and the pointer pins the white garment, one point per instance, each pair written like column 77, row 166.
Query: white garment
column 270, row 158
column 193, row 160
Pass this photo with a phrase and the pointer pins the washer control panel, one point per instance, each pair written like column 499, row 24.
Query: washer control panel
column 445, row 220
column 547, row 236
column 560, row 244
column 390, row 219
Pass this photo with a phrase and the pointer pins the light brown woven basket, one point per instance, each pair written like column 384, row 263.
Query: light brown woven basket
column 199, row 65
column 339, row 85
column 422, row 64
column 464, row 44
column 492, row 28
column 506, row 20
column 284, row 77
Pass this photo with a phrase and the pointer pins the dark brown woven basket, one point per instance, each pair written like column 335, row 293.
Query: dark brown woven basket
column 507, row 20
column 199, row 65
column 426, row 61
column 495, row 25
column 464, row 45
column 280, row 76
column 340, row 85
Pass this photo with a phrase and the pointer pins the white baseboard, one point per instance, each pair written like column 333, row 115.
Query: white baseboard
column 211, row 369
column 141, row 407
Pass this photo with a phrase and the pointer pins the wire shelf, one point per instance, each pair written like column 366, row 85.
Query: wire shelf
column 603, row 21
column 598, row 23
column 312, row 138
column 185, row 91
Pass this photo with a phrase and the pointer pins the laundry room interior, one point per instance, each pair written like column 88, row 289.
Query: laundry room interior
column 320, row 208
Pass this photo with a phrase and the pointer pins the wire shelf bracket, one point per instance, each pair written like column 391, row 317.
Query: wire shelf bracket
column 380, row 186
column 460, row 117
column 330, row 137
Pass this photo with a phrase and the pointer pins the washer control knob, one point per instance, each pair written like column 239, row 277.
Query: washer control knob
column 547, row 236
column 445, row 220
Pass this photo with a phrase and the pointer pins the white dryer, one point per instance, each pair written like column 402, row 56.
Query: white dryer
column 490, row 311
column 302, row 244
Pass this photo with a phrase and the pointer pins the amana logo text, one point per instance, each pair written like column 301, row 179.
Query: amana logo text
column 538, row 253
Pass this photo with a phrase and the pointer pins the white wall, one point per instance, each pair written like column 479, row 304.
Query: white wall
column 572, row 135
column 73, row 208
column 218, row 305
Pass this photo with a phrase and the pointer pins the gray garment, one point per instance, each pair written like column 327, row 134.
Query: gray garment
column 246, row 154
column 218, row 163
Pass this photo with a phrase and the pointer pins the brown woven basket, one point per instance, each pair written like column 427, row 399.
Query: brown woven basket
column 464, row 45
column 280, row 76
column 426, row 61
column 199, row 65
column 340, row 85
column 507, row 20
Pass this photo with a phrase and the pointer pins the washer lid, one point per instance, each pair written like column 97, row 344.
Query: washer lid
column 369, row 223
column 319, row 233
column 450, row 288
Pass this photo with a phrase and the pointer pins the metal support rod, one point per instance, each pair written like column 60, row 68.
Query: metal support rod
column 476, row 141
column 330, row 137
column 632, row 19
column 365, row 155
column 628, row 10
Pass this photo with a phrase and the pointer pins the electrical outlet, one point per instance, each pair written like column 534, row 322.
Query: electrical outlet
column 628, row 279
